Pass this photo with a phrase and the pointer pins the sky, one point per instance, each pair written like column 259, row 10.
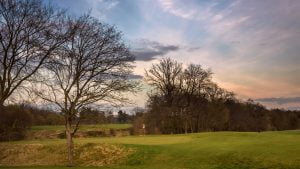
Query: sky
column 252, row 46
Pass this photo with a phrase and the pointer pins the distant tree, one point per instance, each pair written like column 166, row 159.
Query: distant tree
column 14, row 122
column 195, row 81
column 110, row 117
column 284, row 120
column 29, row 34
column 41, row 116
column 92, row 116
column 177, row 91
column 92, row 66
column 164, row 76
column 123, row 117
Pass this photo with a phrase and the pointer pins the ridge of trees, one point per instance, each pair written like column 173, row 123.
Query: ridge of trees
column 187, row 101
column 16, row 120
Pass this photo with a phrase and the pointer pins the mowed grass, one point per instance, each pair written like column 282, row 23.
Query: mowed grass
column 81, row 127
column 210, row 150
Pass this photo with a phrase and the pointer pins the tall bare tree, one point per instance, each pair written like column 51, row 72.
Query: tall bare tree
column 195, row 80
column 92, row 66
column 182, row 97
column 29, row 34
column 165, row 77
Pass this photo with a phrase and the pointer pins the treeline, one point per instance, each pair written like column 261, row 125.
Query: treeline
column 16, row 120
column 94, row 116
column 186, row 100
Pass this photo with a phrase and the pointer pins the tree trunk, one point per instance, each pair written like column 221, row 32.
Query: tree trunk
column 185, row 126
column 191, row 126
column 2, row 103
column 70, row 145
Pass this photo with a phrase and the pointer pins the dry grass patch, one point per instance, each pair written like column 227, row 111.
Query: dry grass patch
column 38, row 154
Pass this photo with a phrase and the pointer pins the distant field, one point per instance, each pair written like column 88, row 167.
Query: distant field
column 82, row 127
column 210, row 150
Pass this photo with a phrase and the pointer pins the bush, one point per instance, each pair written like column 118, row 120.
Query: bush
column 14, row 122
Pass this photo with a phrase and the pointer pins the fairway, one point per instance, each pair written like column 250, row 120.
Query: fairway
column 217, row 150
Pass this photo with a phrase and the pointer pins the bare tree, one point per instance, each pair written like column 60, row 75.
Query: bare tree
column 195, row 80
column 183, row 97
column 165, row 77
column 29, row 34
column 213, row 91
column 92, row 66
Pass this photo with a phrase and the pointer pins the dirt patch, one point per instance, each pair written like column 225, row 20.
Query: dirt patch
column 38, row 154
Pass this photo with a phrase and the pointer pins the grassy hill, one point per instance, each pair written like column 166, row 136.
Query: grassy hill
column 211, row 150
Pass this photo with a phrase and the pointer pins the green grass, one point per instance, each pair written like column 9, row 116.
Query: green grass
column 218, row 150
column 82, row 127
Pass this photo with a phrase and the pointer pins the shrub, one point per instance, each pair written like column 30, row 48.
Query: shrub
column 14, row 122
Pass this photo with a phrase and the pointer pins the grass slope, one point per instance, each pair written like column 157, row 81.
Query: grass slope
column 219, row 150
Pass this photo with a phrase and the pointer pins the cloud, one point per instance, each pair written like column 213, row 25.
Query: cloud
column 297, row 108
column 149, row 50
column 97, row 8
column 251, row 46
column 170, row 6
column 281, row 100
column 100, row 8
column 254, row 47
